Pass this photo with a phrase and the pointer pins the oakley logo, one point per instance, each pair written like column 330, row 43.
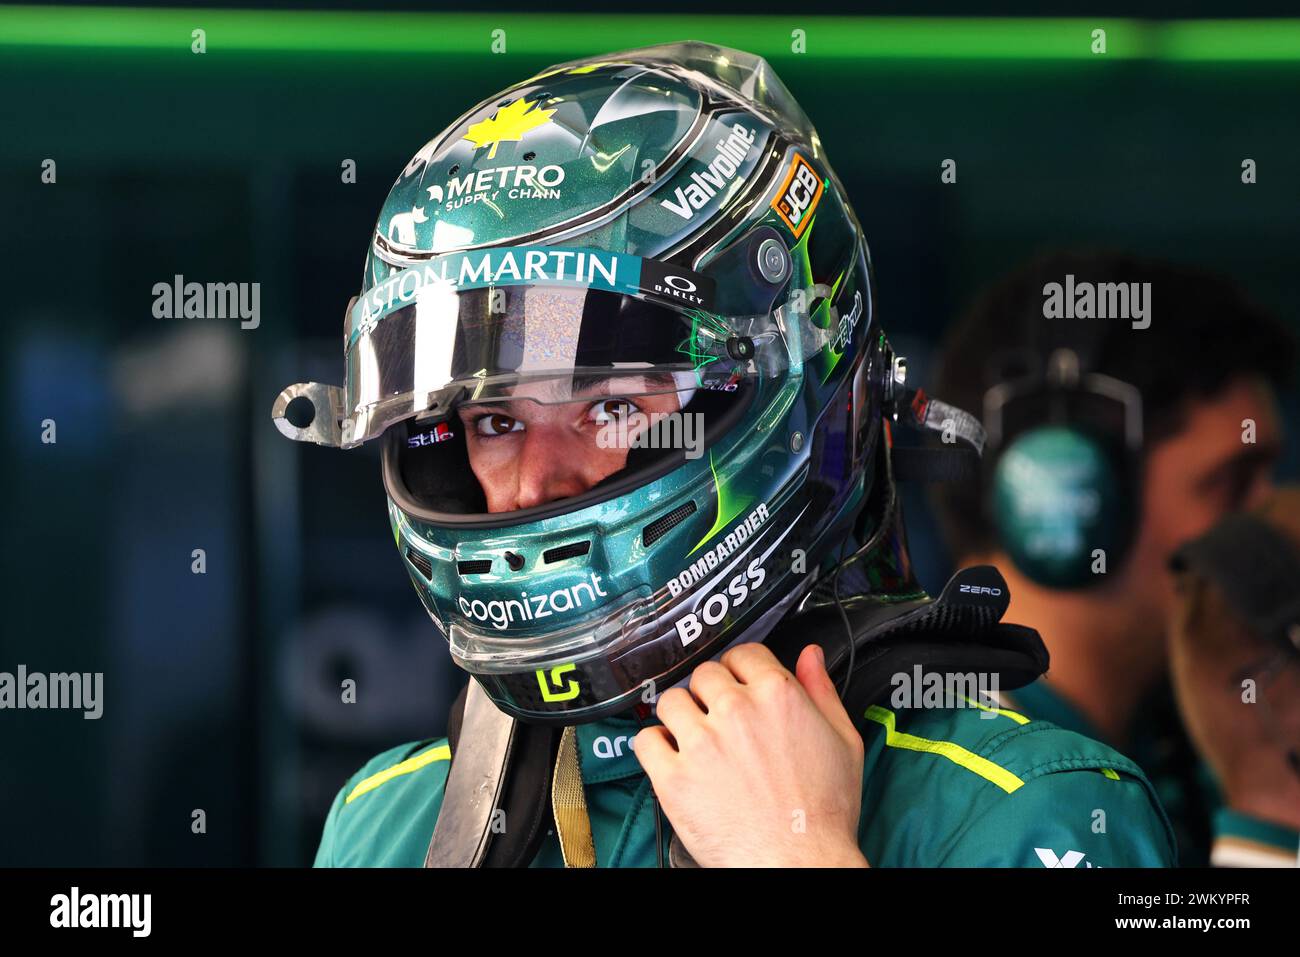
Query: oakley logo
column 1070, row 859
column 671, row 287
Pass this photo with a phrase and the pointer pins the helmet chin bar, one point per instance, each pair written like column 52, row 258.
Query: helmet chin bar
column 329, row 424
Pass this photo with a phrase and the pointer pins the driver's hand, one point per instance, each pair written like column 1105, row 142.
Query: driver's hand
column 756, row 767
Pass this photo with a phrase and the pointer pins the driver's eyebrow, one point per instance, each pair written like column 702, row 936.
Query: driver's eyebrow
column 604, row 384
column 582, row 387
column 1254, row 457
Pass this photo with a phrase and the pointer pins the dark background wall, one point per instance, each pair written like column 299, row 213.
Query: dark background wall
column 222, row 688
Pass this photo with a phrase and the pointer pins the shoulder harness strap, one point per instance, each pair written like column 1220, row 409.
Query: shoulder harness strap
column 497, row 794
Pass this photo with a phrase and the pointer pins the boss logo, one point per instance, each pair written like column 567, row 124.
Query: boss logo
column 717, row 605
column 799, row 196
column 980, row 590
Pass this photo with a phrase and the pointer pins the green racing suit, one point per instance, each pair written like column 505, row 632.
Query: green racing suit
column 956, row 787
column 1207, row 831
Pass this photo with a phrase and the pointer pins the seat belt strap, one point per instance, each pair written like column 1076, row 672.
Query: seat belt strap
column 569, row 802
column 474, row 785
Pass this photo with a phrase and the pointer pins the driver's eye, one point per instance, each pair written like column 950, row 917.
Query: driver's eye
column 497, row 425
column 610, row 410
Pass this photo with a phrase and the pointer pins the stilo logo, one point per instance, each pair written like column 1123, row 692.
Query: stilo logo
column 799, row 196
column 439, row 433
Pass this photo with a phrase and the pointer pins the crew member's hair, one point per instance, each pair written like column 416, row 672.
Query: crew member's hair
column 1204, row 332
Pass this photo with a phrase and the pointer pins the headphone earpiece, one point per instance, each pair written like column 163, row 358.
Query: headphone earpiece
column 1061, row 506
column 1063, row 477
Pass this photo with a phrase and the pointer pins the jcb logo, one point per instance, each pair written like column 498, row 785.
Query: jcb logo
column 554, row 688
column 799, row 196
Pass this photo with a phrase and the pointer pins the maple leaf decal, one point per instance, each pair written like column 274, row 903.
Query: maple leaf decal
column 508, row 123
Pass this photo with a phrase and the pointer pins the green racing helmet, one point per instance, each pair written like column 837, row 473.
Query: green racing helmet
column 647, row 252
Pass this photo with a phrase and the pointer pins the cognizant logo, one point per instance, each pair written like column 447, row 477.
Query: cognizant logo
column 502, row 613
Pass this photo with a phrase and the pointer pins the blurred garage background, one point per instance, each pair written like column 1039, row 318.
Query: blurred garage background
column 222, row 688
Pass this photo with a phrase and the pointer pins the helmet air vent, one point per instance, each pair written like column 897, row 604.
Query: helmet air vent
column 476, row 566
column 662, row 525
column 572, row 550
column 420, row 561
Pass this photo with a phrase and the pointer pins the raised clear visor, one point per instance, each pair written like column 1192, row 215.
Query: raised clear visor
column 549, row 323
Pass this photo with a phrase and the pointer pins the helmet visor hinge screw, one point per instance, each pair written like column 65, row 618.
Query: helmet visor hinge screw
column 740, row 348
column 773, row 260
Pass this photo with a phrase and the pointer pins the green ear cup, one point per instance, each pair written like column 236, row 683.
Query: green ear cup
column 1057, row 499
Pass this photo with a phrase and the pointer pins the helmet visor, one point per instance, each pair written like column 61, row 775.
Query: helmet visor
column 460, row 330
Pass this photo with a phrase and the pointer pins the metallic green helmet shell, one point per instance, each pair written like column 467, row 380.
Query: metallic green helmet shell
column 685, row 196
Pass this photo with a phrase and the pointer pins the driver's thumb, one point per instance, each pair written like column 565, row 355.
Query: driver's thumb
column 810, row 669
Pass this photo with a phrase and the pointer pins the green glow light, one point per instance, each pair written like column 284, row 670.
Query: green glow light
column 729, row 506
column 325, row 33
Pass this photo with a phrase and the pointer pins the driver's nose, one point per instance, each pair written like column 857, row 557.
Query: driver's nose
column 553, row 466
